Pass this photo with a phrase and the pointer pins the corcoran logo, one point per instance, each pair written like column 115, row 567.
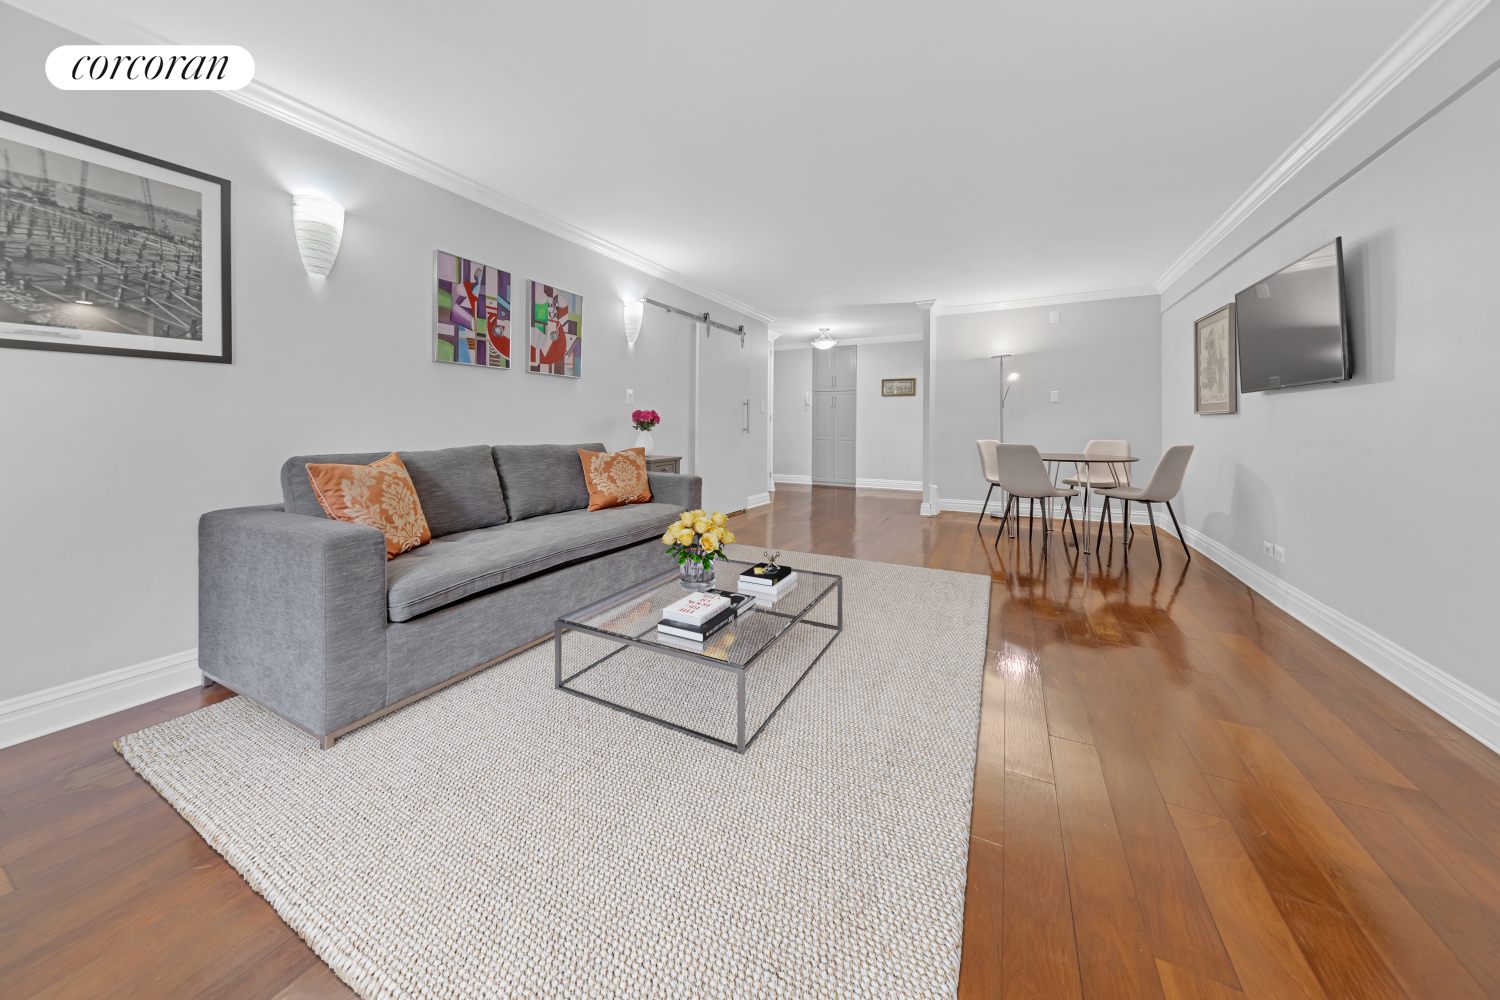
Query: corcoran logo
column 150, row 67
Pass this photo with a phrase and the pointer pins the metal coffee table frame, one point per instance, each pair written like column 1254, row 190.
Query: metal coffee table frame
column 571, row 622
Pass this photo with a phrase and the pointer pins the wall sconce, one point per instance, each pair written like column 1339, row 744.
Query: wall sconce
column 823, row 342
column 634, row 310
column 319, row 225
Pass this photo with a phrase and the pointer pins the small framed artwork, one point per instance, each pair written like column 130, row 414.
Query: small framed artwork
column 106, row 251
column 556, row 331
column 473, row 313
column 1214, row 362
column 898, row 387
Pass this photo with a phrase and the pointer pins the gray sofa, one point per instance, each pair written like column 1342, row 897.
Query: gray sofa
column 306, row 615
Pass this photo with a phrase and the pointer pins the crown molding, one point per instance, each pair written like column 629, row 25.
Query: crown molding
column 1052, row 300
column 1431, row 31
column 284, row 107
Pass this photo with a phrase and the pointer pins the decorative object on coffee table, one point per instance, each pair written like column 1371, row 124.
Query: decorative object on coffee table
column 696, row 540
column 644, row 421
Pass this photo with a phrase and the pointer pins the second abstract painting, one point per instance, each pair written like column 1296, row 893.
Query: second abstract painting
column 556, row 331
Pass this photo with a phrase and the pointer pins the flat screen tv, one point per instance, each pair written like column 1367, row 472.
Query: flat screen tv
column 1293, row 326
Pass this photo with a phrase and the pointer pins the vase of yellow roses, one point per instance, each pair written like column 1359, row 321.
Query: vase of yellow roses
column 695, row 541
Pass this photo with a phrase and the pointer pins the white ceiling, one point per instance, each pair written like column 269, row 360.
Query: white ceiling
column 807, row 158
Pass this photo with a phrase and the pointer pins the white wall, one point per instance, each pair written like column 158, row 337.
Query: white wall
column 1103, row 358
column 1358, row 481
column 793, row 451
column 110, row 461
column 888, row 430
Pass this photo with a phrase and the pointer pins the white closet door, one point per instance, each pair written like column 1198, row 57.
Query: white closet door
column 730, row 472
column 843, row 438
column 822, row 437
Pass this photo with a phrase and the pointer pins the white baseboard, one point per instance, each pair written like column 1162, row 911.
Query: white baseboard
column 1473, row 711
column 758, row 500
column 784, row 478
column 42, row 712
column 889, row 484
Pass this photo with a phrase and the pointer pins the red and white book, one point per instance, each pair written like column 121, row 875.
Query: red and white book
column 695, row 608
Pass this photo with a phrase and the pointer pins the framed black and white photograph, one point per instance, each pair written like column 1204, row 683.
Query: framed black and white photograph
column 898, row 387
column 1214, row 361
column 107, row 251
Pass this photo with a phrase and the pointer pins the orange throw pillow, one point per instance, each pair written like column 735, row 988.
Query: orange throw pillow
column 615, row 478
column 380, row 494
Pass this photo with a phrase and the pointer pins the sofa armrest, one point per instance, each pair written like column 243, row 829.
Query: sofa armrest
column 292, row 613
column 677, row 490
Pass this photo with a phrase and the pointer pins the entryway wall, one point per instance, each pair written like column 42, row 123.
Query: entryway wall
column 888, row 430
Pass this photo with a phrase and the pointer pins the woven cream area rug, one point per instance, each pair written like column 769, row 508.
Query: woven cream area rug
column 504, row 839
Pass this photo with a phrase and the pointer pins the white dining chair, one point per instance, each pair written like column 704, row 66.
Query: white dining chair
column 1100, row 476
column 1019, row 471
column 1165, row 484
column 989, row 465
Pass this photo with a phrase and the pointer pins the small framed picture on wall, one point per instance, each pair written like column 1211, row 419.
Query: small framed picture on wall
column 1214, row 362
column 898, row 387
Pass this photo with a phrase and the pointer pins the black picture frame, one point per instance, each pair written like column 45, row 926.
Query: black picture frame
column 214, row 257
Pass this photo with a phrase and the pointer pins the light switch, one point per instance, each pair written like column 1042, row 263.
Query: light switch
column 1054, row 395
column 763, row 406
column 1054, row 316
column 630, row 395
column 807, row 399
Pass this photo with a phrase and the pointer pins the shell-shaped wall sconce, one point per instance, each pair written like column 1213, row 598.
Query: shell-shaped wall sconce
column 319, row 225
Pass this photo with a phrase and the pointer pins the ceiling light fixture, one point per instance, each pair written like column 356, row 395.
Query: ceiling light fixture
column 635, row 309
column 319, row 225
column 823, row 342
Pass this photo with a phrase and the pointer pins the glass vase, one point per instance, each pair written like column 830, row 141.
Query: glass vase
column 692, row 575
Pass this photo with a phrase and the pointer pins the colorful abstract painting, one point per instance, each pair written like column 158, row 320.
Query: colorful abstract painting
column 473, row 313
column 556, row 331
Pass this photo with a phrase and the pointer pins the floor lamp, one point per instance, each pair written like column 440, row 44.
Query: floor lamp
column 1005, row 384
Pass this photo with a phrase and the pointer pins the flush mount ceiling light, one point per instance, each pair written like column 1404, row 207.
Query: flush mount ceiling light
column 823, row 342
column 634, row 310
column 319, row 226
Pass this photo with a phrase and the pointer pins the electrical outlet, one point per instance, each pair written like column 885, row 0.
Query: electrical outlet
column 1054, row 316
column 807, row 399
column 1054, row 395
column 630, row 395
column 763, row 406
column 1280, row 554
column 1267, row 549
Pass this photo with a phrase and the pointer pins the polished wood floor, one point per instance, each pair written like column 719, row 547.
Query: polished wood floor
column 1181, row 793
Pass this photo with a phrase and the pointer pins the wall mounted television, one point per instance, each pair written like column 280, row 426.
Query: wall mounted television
column 1293, row 327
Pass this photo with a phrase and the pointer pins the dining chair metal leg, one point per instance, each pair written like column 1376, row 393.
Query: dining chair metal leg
column 1072, row 524
column 1005, row 519
column 1152, row 517
column 1109, row 518
column 986, row 506
column 1180, row 537
column 1030, row 518
column 1102, row 515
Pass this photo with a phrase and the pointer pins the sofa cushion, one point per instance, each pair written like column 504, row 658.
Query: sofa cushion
column 542, row 478
column 459, row 566
column 458, row 487
column 380, row 495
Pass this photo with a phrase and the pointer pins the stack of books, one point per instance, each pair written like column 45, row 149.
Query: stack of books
column 691, row 622
column 767, row 586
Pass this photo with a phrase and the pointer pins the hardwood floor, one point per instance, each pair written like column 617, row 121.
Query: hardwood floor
column 1181, row 793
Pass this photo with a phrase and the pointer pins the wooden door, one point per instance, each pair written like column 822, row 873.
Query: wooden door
column 822, row 437
column 843, row 437
column 844, row 363
column 822, row 368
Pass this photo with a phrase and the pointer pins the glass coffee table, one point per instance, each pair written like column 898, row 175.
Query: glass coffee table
column 726, row 694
